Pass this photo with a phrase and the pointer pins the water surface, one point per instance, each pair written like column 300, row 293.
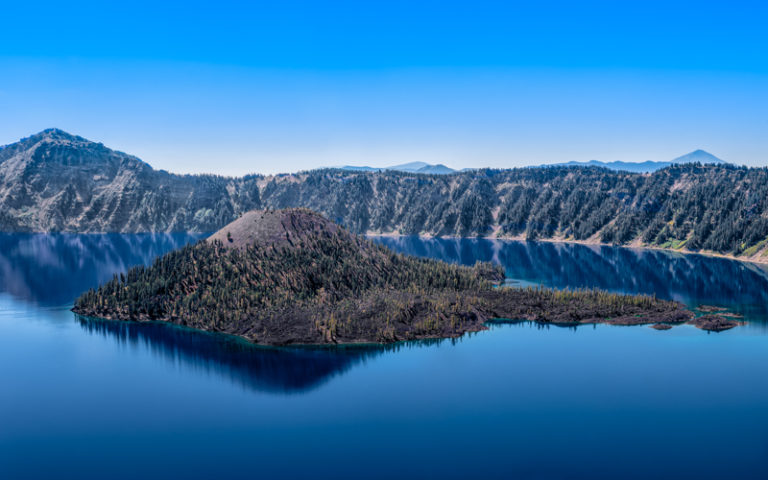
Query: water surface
column 99, row 399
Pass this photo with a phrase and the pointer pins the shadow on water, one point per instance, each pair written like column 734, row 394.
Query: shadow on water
column 691, row 279
column 264, row 369
column 53, row 269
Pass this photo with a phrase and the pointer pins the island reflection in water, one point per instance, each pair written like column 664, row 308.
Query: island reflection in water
column 265, row 369
column 690, row 279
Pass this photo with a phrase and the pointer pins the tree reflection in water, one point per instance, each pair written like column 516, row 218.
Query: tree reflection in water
column 691, row 279
column 265, row 369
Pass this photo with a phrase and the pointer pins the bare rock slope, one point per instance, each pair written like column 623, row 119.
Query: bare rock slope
column 281, row 228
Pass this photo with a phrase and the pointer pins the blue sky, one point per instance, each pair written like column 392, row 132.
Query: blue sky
column 237, row 87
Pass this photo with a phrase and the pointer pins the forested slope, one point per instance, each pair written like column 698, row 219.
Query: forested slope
column 54, row 181
column 718, row 208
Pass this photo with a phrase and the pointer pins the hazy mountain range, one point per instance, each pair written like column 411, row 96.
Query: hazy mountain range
column 54, row 181
column 412, row 167
column 697, row 156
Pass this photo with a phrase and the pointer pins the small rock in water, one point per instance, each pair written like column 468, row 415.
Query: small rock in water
column 661, row 326
column 714, row 323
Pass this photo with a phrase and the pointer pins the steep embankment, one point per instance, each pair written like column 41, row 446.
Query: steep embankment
column 54, row 181
column 291, row 276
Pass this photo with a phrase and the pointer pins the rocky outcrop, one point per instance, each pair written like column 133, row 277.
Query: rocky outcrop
column 715, row 323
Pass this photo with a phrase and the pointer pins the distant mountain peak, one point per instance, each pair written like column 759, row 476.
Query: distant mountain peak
column 698, row 155
column 412, row 167
column 647, row 166
column 438, row 169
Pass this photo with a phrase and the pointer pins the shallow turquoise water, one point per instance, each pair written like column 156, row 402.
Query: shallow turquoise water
column 96, row 399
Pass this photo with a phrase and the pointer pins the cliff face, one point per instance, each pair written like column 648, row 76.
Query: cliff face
column 54, row 181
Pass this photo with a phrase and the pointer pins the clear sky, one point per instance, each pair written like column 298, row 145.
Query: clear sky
column 237, row 87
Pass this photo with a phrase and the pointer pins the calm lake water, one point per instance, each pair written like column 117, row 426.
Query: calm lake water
column 98, row 399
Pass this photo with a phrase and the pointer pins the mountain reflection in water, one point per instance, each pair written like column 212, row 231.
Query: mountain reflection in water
column 53, row 269
column 691, row 279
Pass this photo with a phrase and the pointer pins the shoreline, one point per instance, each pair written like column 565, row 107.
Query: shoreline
column 761, row 261
column 708, row 323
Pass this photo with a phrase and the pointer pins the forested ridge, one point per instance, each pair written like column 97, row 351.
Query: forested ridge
column 54, row 181
column 317, row 283
column 718, row 208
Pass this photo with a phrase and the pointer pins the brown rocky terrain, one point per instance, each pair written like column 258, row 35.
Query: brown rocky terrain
column 263, row 228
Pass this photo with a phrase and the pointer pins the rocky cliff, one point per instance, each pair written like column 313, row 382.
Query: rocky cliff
column 54, row 181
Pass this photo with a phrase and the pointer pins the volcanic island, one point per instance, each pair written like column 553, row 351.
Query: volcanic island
column 293, row 277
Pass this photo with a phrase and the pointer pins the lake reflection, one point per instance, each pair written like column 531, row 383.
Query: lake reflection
column 277, row 370
column 53, row 269
column 691, row 279
column 93, row 399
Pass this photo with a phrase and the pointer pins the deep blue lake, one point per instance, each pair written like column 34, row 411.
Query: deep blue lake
column 99, row 399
